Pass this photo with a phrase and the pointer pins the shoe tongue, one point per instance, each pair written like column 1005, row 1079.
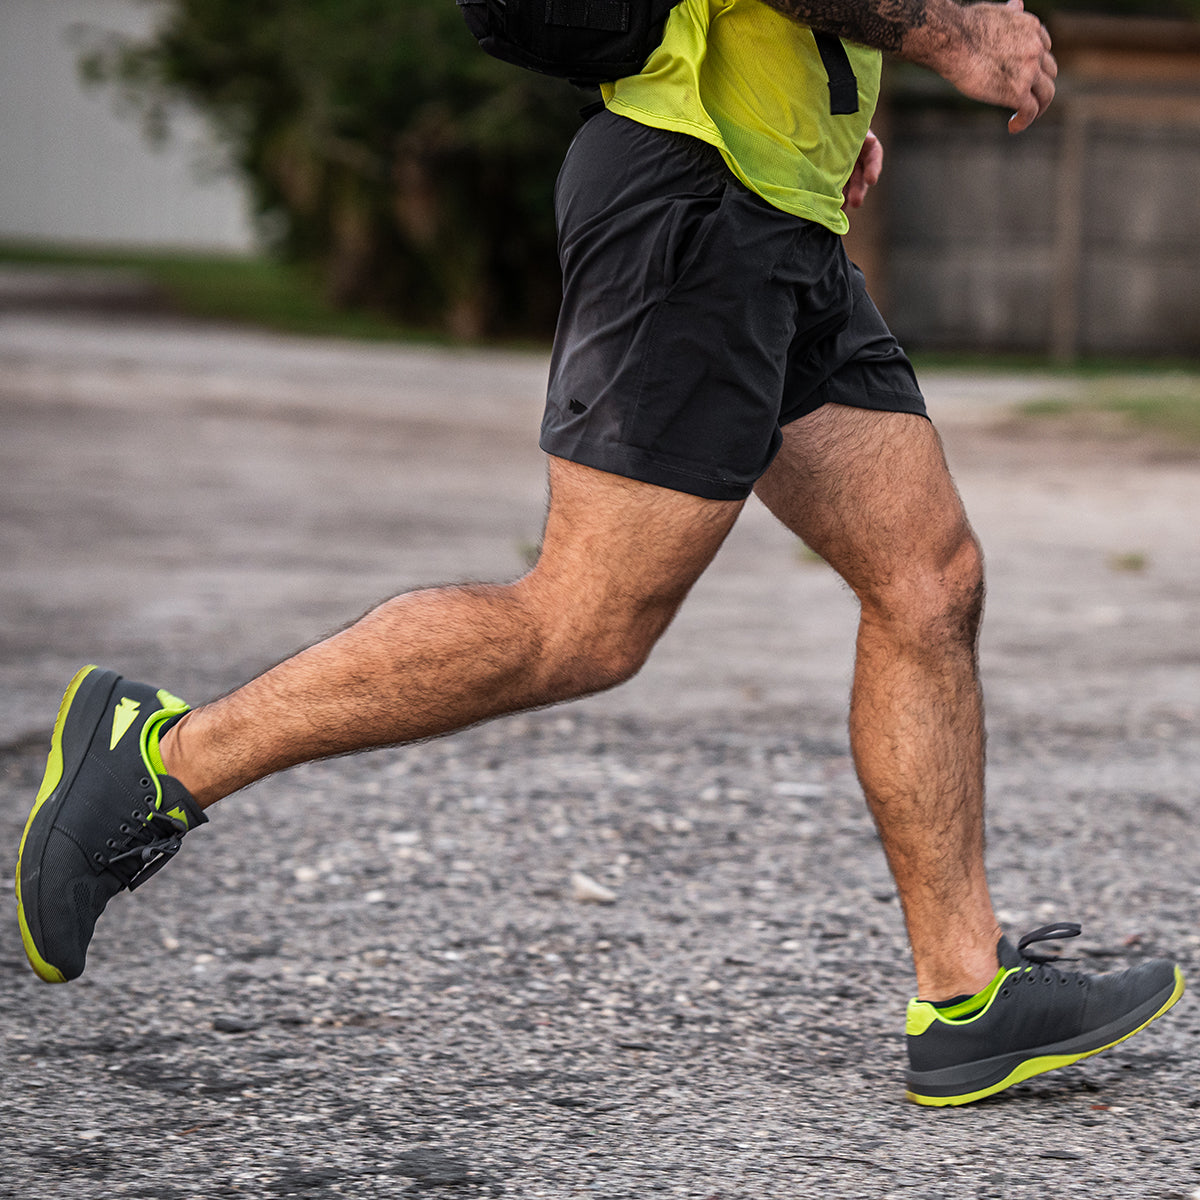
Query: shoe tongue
column 1007, row 954
column 177, row 801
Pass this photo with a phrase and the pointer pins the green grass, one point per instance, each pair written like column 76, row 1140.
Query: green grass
column 1167, row 405
column 253, row 291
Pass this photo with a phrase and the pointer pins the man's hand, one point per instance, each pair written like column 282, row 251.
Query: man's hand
column 1001, row 56
column 866, row 172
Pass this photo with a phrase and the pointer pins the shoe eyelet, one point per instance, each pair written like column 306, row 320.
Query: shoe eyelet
column 137, row 816
column 124, row 829
column 144, row 783
column 148, row 800
column 111, row 844
column 98, row 857
column 1004, row 991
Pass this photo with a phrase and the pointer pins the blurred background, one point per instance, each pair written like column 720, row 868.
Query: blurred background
column 359, row 166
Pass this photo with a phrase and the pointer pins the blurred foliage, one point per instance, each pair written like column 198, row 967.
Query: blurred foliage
column 381, row 144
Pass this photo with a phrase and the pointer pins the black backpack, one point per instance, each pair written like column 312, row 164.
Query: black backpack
column 586, row 41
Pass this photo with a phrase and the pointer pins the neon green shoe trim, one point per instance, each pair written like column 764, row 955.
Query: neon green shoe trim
column 975, row 1005
column 50, row 780
column 172, row 706
column 41, row 968
column 124, row 716
column 922, row 1014
column 168, row 701
column 1035, row 1066
column 1048, row 1062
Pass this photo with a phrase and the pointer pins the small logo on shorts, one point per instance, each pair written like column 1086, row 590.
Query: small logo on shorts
column 577, row 406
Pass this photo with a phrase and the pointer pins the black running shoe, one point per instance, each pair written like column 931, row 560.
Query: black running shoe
column 106, row 817
column 1032, row 1017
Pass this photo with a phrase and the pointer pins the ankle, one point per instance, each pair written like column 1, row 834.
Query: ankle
column 172, row 751
column 965, row 971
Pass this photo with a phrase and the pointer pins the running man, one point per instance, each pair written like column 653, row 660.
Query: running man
column 714, row 341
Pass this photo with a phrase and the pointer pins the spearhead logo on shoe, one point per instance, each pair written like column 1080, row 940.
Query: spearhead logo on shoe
column 123, row 717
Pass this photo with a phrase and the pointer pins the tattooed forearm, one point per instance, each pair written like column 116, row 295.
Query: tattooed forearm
column 884, row 24
column 997, row 53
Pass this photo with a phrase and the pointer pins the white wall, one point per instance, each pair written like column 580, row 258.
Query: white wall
column 73, row 170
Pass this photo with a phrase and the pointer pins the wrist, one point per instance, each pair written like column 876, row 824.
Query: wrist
column 941, row 40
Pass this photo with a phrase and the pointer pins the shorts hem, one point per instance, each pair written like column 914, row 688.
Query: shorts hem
column 902, row 402
column 646, row 467
column 898, row 402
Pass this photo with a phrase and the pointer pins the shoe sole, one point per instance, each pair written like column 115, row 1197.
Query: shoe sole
column 84, row 700
column 1047, row 1058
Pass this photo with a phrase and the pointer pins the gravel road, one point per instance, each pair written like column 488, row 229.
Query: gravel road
column 373, row 977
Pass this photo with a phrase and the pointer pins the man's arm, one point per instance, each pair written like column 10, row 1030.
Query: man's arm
column 997, row 53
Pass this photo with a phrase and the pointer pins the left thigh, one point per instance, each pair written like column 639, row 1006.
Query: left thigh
column 871, row 493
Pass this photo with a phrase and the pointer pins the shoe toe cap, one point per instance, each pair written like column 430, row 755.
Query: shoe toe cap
column 61, row 899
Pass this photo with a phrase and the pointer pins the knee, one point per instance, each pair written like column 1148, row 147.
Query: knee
column 593, row 664
column 583, row 649
column 935, row 596
column 593, row 655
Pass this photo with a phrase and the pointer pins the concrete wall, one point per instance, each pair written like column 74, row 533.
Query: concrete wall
column 73, row 170
column 1140, row 278
column 969, row 231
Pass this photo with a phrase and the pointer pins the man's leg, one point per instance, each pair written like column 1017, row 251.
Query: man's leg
column 127, row 774
column 618, row 557
column 870, row 492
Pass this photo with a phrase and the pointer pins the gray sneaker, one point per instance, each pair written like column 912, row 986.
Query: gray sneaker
column 106, row 817
column 1032, row 1017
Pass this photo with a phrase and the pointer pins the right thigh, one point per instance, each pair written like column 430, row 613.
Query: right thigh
column 619, row 556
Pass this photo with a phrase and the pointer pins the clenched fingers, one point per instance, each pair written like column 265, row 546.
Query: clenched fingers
column 1040, row 92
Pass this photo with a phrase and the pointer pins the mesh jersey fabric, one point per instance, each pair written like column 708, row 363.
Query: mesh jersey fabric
column 752, row 83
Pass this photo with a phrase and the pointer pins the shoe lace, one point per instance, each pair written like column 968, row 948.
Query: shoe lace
column 146, row 847
column 1042, row 968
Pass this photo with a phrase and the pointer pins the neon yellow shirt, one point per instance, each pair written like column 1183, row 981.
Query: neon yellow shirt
column 752, row 83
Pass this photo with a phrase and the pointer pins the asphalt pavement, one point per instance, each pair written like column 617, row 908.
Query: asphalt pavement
column 382, row 976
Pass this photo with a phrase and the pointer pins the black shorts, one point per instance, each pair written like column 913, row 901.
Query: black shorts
column 697, row 319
